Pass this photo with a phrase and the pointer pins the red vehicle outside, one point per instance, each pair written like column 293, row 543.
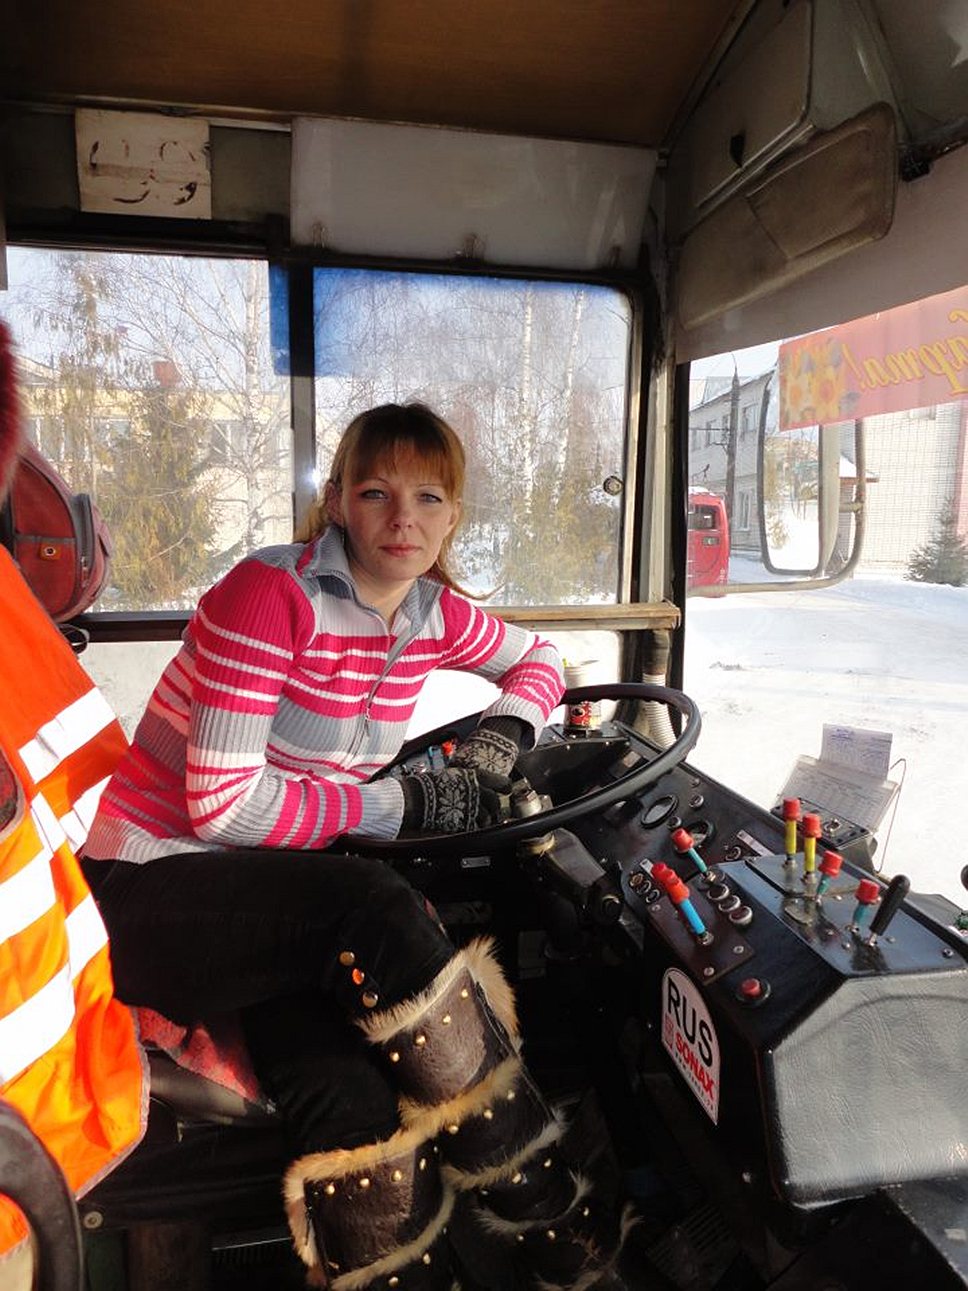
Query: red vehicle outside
column 707, row 552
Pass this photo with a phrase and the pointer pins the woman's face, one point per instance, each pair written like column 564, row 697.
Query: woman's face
column 395, row 521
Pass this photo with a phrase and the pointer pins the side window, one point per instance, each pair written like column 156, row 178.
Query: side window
column 147, row 381
column 883, row 650
column 534, row 378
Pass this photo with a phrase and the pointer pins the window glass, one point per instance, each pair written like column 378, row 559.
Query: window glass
column 126, row 673
column 447, row 695
column 883, row 650
column 148, row 382
column 533, row 376
column 702, row 518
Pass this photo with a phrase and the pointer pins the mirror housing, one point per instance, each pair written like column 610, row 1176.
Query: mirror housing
column 799, row 496
column 836, row 513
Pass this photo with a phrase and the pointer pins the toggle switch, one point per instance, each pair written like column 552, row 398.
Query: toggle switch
column 678, row 894
column 682, row 841
column 868, row 894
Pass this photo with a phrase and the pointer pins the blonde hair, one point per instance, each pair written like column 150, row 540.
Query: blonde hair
column 383, row 436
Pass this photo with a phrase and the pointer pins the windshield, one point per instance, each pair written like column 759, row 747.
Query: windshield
column 870, row 674
column 532, row 375
column 160, row 386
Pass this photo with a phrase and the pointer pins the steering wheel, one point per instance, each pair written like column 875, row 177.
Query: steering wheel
column 478, row 842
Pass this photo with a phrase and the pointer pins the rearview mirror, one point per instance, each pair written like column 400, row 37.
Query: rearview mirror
column 800, row 495
column 790, row 496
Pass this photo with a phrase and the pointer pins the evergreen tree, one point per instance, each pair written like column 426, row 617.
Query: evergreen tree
column 85, row 369
column 128, row 432
column 944, row 558
column 161, row 502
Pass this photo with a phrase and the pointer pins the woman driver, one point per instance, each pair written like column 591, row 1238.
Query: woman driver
column 293, row 686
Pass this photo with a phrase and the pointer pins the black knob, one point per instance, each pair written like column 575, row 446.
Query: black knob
column 897, row 890
column 964, row 877
column 609, row 908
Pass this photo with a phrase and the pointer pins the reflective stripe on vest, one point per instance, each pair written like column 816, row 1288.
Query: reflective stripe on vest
column 77, row 822
column 26, row 895
column 65, row 734
column 28, row 1031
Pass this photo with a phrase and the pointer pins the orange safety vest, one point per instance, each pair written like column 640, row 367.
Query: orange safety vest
column 70, row 1061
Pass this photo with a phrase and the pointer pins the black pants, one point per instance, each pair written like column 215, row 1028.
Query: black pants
column 270, row 934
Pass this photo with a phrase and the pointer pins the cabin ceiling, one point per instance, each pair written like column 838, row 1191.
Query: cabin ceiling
column 610, row 70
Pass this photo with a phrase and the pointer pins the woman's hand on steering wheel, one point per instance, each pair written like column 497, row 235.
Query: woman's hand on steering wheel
column 491, row 751
column 451, row 801
column 475, row 841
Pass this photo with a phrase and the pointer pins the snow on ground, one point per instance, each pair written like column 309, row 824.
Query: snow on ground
column 876, row 652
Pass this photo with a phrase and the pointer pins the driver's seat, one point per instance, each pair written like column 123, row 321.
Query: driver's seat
column 203, row 1186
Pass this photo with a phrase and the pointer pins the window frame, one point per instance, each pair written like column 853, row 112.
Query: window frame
column 115, row 234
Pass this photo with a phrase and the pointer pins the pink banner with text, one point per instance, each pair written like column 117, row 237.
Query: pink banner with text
column 914, row 356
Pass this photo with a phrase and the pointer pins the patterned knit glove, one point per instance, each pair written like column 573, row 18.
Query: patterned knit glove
column 492, row 750
column 448, row 802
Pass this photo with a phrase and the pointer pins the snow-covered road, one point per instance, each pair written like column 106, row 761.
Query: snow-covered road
column 769, row 669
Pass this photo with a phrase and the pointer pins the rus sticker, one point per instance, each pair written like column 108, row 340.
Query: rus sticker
column 690, row 1038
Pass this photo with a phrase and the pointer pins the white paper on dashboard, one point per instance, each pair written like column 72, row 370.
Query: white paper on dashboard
column 840, row 790
column 850, row 746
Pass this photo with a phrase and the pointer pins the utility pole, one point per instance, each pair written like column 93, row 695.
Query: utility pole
column 732, row 435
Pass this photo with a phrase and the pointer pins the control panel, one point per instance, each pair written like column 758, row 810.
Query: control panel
column 816, row 1015
column 835, row 831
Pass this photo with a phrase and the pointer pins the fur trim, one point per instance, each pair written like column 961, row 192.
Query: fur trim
column 584, row 1283
column 463, row 1182
column 591, row 1277
column 431, row 1120
column 628, row 1221
column 11, row 422
column 317, row 1166
column 402, row 1256
column 480, row 960
column 509, row 1228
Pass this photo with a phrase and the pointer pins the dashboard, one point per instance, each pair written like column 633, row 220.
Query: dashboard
column 818, row 1024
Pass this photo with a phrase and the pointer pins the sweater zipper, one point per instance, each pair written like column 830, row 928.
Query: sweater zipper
column 363, row 728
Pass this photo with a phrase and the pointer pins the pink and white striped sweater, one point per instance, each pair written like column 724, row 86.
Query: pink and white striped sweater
column 287, row 695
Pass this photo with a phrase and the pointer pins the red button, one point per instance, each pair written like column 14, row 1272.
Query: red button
column 751, row 988
column 868, row 891
column 811, row 826
column 831, row 864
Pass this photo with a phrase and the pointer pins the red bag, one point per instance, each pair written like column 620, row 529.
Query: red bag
column 57, row 537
